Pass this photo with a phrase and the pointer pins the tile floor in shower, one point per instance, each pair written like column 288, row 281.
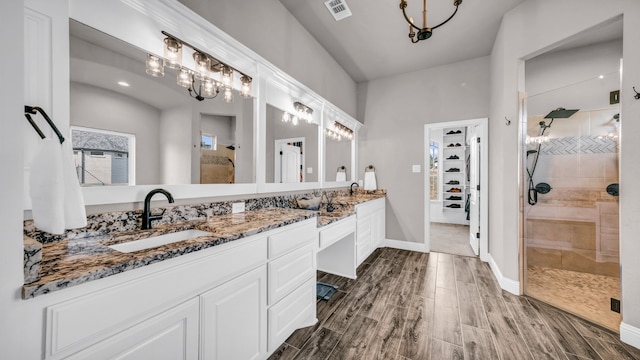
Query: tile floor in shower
column 583, row 294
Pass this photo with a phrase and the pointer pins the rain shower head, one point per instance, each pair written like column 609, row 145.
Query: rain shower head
column 561, row 113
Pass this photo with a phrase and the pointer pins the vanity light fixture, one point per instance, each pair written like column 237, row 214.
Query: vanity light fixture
column 199, row 82
column 424, row 32
column 337, row 131
column 303, row 111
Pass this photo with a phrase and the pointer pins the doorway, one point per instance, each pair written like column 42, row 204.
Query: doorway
column 570, row 154
column 455, row 199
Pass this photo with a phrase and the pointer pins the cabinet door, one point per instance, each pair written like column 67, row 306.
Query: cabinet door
column 171, row 335
column 377, row 229
column 233, row 318
column 363, row 236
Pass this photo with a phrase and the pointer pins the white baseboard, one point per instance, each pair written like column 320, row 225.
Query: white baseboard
column 630, row 335
column 509, row 285
column 405, row 245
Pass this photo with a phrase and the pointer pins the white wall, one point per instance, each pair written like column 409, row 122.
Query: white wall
column 94, row 107
column 282, row 41
column 337, row 153
column 526, row 31
column 395, row 111
column 176, row 139
column 11, row 154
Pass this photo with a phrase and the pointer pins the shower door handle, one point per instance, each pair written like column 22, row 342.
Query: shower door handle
column 533, row 196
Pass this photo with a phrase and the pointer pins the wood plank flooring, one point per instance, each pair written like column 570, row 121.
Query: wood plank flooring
column 408, row 305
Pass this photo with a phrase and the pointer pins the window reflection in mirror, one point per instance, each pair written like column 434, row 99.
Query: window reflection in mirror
column 292, row 149
column 338, row 159
column 111, row 91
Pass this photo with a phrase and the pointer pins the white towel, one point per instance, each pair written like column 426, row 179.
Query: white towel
column 56, row 199
column 341, row 176
column 370, row 180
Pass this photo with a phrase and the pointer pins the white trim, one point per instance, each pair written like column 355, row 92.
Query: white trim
column 507, row 284
column 630, row 334
column 405, row 245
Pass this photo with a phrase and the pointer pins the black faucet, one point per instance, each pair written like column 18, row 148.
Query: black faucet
column 351, row 187
column 146, row 215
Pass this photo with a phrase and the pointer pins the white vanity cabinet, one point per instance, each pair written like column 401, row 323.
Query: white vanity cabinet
column 370, row 231
column 238, row 300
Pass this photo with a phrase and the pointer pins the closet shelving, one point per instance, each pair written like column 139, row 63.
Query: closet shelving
column 454, row 178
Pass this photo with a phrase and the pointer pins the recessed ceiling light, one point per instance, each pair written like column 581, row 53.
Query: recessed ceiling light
column 123, row 83
column 601, row 76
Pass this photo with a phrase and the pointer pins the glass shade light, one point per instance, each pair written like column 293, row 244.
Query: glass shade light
column 245, row 87
column 286, row 117
column 228, row 94
column 202, row 65
column 208, row 88
column 155, row 66
column 185, row 78
column 226, row 76
column 173, row 53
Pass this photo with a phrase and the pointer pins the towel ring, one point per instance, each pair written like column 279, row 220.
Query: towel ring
column 342, row 169
column 369, row 168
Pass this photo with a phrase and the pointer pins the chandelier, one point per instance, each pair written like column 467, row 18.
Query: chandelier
column 424, row 32
column 200, row 82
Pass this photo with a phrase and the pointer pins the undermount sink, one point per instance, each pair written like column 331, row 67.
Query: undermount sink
column 159, row 240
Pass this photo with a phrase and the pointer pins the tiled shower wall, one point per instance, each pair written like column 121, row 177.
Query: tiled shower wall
column 579, row 160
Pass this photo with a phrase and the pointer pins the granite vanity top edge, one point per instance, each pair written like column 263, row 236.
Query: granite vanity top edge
column 97, row 261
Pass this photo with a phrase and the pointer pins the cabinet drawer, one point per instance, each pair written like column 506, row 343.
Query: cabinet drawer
column 289, row 271
column 296, row 310
column 337, row 231
column 367, row 208
column 288, row 240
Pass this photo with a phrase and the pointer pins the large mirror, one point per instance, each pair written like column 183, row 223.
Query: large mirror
column 291, row 148
column 338, row 152
column 130, row 128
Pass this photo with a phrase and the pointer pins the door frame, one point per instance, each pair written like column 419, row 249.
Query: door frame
column 483, row 130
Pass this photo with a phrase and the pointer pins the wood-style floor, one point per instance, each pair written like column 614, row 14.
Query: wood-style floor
column 410, row 305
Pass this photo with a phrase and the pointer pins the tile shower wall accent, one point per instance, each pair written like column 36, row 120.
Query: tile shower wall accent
column 580, row 145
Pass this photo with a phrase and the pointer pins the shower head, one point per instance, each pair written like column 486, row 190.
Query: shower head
column 561, row 113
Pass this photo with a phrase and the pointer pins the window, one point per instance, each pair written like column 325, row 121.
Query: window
column 103, row 158
column 433, row 170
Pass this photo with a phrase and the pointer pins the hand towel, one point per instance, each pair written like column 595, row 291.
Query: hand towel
column 341, row 176
column 370, row 180
column 56, row 199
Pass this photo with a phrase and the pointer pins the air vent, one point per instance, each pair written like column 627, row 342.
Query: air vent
column 338, row 8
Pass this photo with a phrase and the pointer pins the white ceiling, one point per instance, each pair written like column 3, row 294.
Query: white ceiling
column 374, row 42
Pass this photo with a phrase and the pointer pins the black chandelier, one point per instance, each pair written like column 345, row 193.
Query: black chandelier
column 424, row 32
column 199, row 82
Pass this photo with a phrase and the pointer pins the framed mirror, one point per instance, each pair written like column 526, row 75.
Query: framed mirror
column 110, row 92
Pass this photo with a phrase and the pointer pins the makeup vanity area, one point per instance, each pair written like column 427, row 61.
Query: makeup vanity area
column 240, row 290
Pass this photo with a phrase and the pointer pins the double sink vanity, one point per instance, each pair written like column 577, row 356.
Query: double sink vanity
column 235, row 288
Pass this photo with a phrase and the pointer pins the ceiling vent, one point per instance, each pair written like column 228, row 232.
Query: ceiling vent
column 338, row 8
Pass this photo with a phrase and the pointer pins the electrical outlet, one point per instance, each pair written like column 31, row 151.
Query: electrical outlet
column 415, row 168
column 237, row 207
column 615, row 305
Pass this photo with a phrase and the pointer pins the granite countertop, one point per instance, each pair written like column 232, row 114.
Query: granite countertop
column 74, row 261
column 344, row 206
column 71, row 262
